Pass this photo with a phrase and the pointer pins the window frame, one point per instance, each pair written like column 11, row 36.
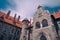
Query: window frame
column 37, row 24
column 44, row 23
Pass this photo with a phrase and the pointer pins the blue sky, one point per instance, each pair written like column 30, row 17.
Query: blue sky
column 27, row 8
column 4, row 4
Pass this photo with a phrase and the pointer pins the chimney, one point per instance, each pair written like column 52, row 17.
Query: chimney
column 8, row 14
column 14, row 19
column 18, row 18
column 15, row 16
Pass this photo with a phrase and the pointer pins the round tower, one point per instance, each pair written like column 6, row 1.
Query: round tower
column 24, row 34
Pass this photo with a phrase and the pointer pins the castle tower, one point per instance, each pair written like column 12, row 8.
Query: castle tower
column 43, row 28
column 24, row 34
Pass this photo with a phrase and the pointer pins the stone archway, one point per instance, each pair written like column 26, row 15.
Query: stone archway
column 43, row 37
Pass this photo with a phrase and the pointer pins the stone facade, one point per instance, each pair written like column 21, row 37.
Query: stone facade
column 48, row 31
column 44, row 29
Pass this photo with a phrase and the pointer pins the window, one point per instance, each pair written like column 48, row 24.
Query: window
column 1, row 37
column 43, row 37
column 58, row 27
column 29, row 33
column 58, row 24
column 37, row 25
column 9, row 37
column 30, row 30
column 1, row 26
column 44, row 23
column 24, row 38
column 40, row 14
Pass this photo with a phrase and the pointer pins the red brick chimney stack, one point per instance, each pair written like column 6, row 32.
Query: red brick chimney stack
column 18, row 18
column 8, row 14
column 15, row 16
column 14, row 21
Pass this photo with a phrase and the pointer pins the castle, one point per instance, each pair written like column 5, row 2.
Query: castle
column 44, row 26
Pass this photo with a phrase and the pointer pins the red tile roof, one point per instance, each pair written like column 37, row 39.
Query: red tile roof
column 57, row 15
column 11, row 20
column 19, row 24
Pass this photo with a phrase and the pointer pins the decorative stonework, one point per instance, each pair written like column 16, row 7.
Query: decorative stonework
column 48, row 31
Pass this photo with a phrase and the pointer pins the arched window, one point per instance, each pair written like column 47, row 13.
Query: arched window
column 44, row 23
column 37, row 24
column 43, row 37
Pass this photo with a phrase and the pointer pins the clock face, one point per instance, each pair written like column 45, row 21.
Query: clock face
column 40, row 14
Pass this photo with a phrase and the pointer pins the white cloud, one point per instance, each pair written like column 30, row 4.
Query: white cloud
column 26, row 8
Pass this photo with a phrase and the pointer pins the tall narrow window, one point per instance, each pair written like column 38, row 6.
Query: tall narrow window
column 58, row 24
column 37, row 24
column 24, row 37
column 44, row 23
column 29, row 33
